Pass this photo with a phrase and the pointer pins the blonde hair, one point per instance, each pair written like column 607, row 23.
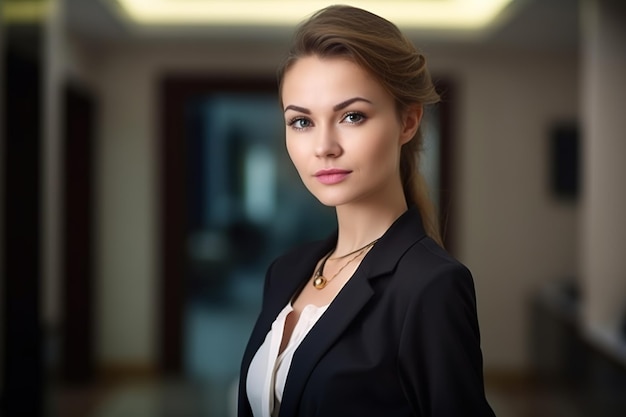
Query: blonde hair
column 379, row 47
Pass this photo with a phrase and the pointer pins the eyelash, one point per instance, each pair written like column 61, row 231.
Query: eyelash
column 292, row 122
column 355, row 113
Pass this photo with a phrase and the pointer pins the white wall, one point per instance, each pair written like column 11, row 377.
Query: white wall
column 512, row 234
column 603, row 261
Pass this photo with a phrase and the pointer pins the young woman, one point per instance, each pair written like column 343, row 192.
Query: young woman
column 378, row 319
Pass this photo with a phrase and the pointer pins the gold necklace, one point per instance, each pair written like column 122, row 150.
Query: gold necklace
column 354, row 251
column 320, row 281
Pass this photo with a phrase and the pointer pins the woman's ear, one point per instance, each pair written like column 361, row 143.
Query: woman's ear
column 411, row 119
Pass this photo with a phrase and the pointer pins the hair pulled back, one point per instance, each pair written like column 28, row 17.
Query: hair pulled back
column 378, row 46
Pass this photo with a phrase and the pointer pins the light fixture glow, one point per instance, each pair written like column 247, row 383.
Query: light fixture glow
column 24, row 11
column 424, row 14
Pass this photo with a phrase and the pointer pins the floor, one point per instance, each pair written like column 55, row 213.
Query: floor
column 198, row 399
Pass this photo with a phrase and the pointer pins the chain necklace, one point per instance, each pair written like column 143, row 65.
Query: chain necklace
column 320, row 281
column 354, row 251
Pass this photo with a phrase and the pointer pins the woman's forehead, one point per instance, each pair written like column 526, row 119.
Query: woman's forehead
column 334, row 79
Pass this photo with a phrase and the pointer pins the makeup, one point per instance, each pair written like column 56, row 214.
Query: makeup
column 331, row 176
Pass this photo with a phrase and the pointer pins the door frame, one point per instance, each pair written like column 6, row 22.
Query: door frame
column 175, row 92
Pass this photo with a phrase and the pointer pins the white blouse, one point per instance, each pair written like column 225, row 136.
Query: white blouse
column 268, row 370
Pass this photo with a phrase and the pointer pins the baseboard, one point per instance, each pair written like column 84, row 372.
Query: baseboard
column 118, row 372
column 509, row 378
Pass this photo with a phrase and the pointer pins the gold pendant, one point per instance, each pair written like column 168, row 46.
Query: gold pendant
column 319, row 282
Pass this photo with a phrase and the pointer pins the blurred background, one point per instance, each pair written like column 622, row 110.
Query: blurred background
column 144, row 189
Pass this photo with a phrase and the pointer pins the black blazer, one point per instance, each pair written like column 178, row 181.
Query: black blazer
column 400, row 339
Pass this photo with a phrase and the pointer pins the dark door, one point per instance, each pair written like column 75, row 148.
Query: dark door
column 77, row 352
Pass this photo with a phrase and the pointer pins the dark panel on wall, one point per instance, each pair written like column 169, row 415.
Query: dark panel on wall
column 564, row 158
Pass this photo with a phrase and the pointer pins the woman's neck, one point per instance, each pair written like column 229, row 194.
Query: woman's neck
column 359, row 225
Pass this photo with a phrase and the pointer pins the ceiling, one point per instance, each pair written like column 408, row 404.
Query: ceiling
column 549, row 24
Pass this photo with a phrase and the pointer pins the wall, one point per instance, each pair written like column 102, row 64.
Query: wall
column 512, row 233
column 603, row 261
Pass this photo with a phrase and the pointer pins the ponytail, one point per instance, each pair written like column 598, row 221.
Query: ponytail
column 416, row 189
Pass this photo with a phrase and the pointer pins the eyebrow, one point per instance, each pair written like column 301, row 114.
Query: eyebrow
column 346, row 103
column 336, row 107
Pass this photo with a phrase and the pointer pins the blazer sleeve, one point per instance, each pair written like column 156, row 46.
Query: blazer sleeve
column 440, row 361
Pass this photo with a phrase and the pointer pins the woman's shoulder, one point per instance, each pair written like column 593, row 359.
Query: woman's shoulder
column 426, row 264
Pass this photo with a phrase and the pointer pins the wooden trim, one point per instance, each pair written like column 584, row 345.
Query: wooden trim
column 509, row 378
column 77, row 349
column 115, row 373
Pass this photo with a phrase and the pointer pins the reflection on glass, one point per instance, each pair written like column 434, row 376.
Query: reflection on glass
column 246, row 205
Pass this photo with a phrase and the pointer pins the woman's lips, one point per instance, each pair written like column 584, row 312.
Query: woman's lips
column 331, row 176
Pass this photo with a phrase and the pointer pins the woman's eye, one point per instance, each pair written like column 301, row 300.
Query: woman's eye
column 299, row 123
column 354, row 118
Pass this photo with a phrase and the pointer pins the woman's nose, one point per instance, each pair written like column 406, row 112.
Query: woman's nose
column 326, row 144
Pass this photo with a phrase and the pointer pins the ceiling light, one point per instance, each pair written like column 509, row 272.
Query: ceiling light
column 24, row 11
column 422, row 14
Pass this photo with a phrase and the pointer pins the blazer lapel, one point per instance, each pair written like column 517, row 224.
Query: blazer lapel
column 287, row 278
column 330, row 326
column 351, row 299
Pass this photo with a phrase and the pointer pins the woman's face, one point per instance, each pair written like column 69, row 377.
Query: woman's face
column 344, row 134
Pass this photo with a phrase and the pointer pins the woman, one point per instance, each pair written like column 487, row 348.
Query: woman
column 376, row 320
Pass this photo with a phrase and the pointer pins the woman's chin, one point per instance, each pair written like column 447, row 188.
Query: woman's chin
column 328, row 202
column 331, row 198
